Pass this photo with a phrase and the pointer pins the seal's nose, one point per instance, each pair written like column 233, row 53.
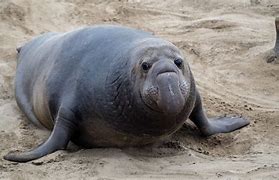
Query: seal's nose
column 170, row 100
column 163, row 67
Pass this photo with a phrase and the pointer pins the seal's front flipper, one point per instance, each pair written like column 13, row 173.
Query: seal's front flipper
column 216, row 125
column 58, row 140
column 227, row 124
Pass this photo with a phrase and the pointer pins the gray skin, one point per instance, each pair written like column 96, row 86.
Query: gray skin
column 108, row 86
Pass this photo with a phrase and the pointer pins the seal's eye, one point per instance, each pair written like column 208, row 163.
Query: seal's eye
column 145, row 66
column 178, row 63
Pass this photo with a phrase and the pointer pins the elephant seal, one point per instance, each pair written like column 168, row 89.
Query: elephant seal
column 108, row 86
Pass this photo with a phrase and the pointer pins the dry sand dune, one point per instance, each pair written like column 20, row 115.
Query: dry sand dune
column 224, row 41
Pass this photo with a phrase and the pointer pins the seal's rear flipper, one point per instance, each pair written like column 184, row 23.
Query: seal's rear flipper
column 216, row 125
column 58, row 140
column 272, row 55
column 276, row 47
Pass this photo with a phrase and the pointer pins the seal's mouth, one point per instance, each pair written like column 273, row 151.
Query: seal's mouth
column 150, row 103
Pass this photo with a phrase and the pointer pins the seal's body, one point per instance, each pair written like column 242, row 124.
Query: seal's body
column 108, row 86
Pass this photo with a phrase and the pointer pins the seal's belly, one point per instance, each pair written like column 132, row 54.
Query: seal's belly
column 40, row 105
column 100, row 134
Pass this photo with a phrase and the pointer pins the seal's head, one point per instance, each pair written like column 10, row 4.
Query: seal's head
column 163, row 76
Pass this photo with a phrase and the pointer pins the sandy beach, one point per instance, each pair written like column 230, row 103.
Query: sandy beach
column 225, row 43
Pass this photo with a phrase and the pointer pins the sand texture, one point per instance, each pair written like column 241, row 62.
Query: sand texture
column 225, row 43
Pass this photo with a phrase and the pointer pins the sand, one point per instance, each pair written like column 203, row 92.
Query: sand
column 225, row 43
